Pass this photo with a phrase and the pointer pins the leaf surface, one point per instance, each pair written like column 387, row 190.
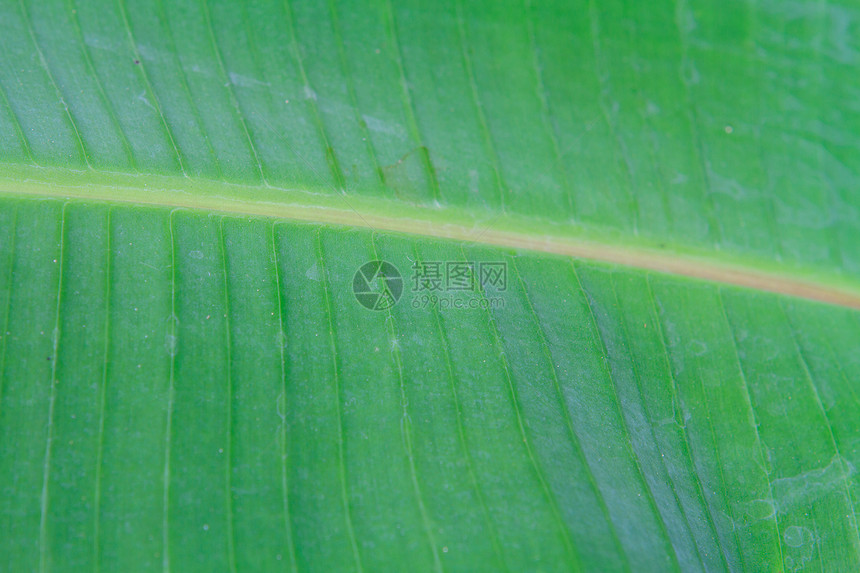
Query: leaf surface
column 188, row 380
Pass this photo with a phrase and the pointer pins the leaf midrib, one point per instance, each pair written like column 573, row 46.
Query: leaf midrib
column 324, row 206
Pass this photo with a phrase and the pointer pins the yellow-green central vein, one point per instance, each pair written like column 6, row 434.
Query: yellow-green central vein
column 510, row 231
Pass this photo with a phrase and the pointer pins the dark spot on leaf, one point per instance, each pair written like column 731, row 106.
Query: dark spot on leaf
column 137, row 61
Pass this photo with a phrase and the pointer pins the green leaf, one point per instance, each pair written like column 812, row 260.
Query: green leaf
column 190, row 378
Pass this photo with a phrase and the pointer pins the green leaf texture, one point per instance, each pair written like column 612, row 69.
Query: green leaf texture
column 188, row 383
